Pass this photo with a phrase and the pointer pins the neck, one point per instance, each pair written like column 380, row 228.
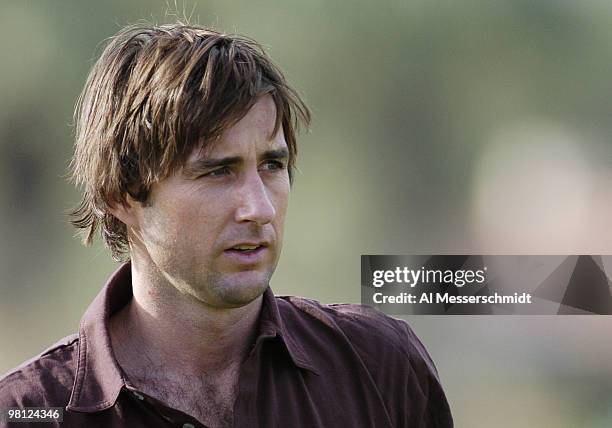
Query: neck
column 162, row 327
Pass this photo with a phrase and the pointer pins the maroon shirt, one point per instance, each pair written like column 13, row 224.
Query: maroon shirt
column 312, row 365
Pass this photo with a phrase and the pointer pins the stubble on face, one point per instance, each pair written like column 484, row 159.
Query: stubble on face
column 190, row 221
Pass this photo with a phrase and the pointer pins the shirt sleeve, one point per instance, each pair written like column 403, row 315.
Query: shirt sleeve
column 422, row 381
column 19, row 391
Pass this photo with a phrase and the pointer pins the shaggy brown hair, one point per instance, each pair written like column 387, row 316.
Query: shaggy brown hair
column 156, row 94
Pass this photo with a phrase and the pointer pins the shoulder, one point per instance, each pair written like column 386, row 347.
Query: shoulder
column 355, row 320
column 45, row 380
column 373, row 334
column 396, row 361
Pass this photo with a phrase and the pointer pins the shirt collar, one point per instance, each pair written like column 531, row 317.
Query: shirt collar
column 99, row 378
column 273, row 324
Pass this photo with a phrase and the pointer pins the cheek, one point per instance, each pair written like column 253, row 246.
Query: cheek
column 203, row 223
column 281, row 201
column 179, row 222
column 279, row 190
column 161, row 227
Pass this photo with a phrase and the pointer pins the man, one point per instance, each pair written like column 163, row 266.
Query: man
column 186, row 144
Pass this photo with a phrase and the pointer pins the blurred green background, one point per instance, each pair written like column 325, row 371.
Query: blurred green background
column 439, row 127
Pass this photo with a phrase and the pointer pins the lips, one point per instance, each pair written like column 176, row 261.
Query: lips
column 247, row 252
column 247, row 246
column 244, row 248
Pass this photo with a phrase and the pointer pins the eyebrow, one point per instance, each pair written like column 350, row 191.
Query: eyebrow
column 210, row 163
column 275, row 154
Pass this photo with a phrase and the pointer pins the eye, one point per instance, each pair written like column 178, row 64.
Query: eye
column 273, row 165
column 219, row 172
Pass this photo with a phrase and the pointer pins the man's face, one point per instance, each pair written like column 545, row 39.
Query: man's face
column 214, row 228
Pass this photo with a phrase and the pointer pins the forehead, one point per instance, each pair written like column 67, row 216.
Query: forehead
column 253, row 132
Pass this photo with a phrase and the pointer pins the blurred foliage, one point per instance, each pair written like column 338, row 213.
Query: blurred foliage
column 407, row 96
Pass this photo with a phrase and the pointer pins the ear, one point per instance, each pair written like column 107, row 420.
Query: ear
column 127, row 212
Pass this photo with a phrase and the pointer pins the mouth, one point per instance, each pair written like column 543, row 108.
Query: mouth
column 246, row 247
column 247, row 252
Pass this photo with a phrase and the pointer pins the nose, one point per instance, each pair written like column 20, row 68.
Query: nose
column 254, row 202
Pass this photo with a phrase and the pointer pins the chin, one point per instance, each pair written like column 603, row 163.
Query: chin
column 240, row 289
